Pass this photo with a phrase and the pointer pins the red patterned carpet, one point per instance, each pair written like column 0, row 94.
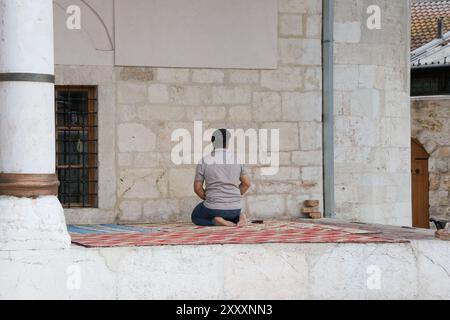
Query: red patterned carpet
column 186, row 234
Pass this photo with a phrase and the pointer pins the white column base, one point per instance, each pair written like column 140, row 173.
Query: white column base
column 32, row 224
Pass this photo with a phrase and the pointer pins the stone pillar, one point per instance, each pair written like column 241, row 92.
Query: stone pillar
column 372, row 113
column 31, row 216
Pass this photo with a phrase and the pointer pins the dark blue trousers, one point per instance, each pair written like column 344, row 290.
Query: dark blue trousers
column 202, row 216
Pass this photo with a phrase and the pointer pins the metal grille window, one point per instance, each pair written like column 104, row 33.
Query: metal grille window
column 76, row 145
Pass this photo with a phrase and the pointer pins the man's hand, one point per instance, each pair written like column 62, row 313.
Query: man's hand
column 245, row 184
column 199, row 190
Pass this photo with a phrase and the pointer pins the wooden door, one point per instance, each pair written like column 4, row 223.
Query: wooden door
column 420, row 185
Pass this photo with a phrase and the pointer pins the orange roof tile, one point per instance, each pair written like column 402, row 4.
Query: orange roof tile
column 424, row 17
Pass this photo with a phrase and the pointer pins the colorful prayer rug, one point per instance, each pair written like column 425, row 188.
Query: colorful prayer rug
column 187, row 234
column 97, row 229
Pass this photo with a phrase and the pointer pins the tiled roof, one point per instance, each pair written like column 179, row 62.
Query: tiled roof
column 424, row 17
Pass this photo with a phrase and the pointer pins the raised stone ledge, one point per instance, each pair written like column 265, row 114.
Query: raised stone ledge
column 416, row 270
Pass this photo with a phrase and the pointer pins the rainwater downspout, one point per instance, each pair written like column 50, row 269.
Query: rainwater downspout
column 328, row 108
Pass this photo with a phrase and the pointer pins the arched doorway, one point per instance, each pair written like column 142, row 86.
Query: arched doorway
column 420, row 185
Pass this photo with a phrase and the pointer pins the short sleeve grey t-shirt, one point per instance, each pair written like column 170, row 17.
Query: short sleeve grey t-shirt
column 221, row 172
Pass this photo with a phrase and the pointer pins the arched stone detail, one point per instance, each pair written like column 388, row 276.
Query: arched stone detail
column 428, row 145
column 94, row 21
column 93, row 44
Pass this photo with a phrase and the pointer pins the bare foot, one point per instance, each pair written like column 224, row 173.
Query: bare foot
column 221, row 222
column 242, row 220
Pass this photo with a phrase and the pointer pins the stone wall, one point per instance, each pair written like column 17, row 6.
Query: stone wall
column 373, row 180
column 139, row 182
column 142, row 107
column 417, row 270
column 431, row 126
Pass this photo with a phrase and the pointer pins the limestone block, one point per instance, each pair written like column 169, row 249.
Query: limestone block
column 442, row 165
column 356, row 131
column 435, row 182
column 289, row 134
column 161, row 112
column 240, row 113
column 357, row 269
column 160, row 210
column 32, row 224
column 365, row 103
column 208, row 76
column 135, row 137
column 91, row 215
column 131, row 93
column 300, row 51
column 284, row 78
column 310, row 136
column 397, row 104
column 83, row 75
column 300, row 6
column 244, row 76
column 346, row 77
column 395, row 132
column 344, row 54
column 443, row 198
column 186, row 95
column 172, row 75
column 126, row 113
column 125, row 159
column 284, row 174
column 446, row 182
column 371, row 194
column 264, row 206
column 313, row 174
column 206, row 113
column 433, row 262
column 395, row 79
column 444, row 152
column 181, row 182
column 348, row 32
column 164, row 135
column 266, row 106
column 395, row 160
column 250, row 266
column 231, row 95
column 313, row 79
column 44, row 275
column 395, row 194
column 307, row 158
column 348, row 10
column 158, row 93
column 146, row 160
column 346, row 194
column 291, row 25
column 285, row 158
column 130, row 211
column 342, row 101
column 352, row 154
column 302, row 106
column 171, row 273
column 314, row 26
column 367, row 76
column 136, row 74
column 143, row 184
column 282, row 187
